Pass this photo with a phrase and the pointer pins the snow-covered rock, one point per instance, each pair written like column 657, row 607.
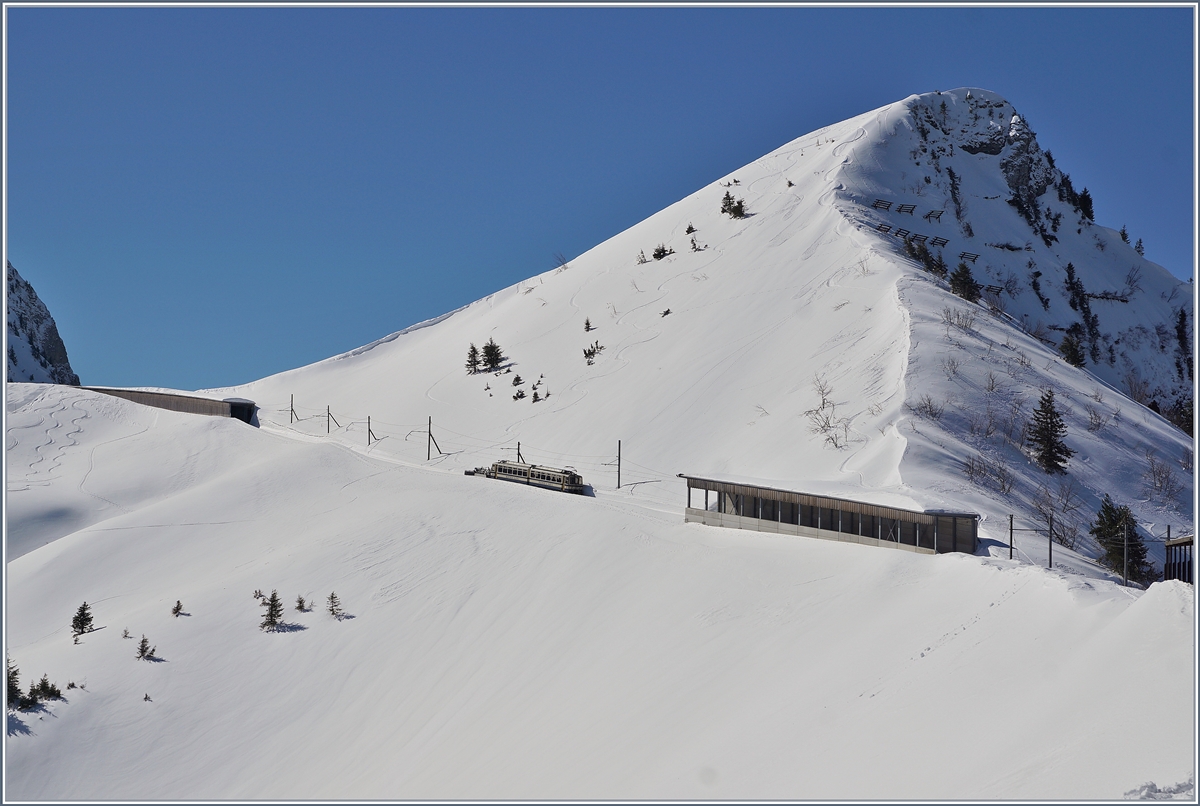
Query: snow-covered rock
column 35, row 350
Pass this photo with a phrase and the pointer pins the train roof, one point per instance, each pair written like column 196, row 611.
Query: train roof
column 511, row 463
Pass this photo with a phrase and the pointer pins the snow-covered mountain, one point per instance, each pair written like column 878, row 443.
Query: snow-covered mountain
column 931, row 392
column 508, row 642
column 35, row 350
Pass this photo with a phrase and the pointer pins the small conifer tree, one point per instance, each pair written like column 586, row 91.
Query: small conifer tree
column 472, row 359
column 271, row 619
column 517, row 380
column 144, row 650
column 1071, row 349
column 493, row 356
column 1137, row 247
column 535, row 396
column 301, row 605
column 334, row 605
column 962, row 282
column 82, row 622
column 690, row 229
column 177, row 609
column 1046, row 434
column 734, row 209
column 1124, row 233
column 14, row 684
column 1085, row 205
column 1113, row 523
column 587, row 325
column 45, row 690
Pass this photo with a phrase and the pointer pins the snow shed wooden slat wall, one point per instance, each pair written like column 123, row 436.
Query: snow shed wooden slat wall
column 767, row 509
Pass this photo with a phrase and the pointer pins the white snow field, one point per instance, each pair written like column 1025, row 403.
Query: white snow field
column 505, row 642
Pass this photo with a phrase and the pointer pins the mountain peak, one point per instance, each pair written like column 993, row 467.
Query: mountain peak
column 35, row 350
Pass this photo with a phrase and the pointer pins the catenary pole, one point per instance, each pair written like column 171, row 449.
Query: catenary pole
column 1010, row 535
column 1050, row 550
column 1125, row 572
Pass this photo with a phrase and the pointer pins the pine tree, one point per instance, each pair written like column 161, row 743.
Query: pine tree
column 271, row 618
column 82, row 622
column 1071, row 347
column 1184, row 340
column 736, row 209
column 1085, row 205
column 144, row 650
column 177, row 609
column 1124, row 233
column 301, row 605
column 472, row 359
column 516, row 381
column 587, row 325
column 1137, row 247
column 493, row 357
column 334, row 605
column 962, row 282
column 1110, row 528
column 45, row 690
column 14, row 684
column 1046, row 433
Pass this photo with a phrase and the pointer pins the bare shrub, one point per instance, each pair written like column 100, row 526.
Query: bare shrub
column 996, row 304
column 1012, row 285
column 982, row 424
column 929, row 408
column 975, row 468
column 991, row 383
column 1039, row 330
column 1016, row 426
column 1160, row 477
column 1098, row 395
column 1137, row 388
column 980, row 471
column 950, row 365
column 1003, row 477
column 823, row 419
column 1096, row 418
column 962, row 319
column 1060, row 507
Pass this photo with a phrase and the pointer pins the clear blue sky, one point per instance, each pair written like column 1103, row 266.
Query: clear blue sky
column 206, row 196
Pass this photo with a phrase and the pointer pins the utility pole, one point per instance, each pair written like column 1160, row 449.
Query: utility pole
column 428, row 438
column 520, row 458
column 618, row 464
column 368, row 430
column 1125, row 572
column 1050, row 552
column 291, row 409
column 327, row 416
column 1010, row 535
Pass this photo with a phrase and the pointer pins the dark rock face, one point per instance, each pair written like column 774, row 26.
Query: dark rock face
column 1026, row 170
column 36, row 352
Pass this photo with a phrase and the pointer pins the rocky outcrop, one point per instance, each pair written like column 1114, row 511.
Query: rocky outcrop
column 36, row 352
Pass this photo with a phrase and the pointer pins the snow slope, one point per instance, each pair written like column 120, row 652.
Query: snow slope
column 516, row 643
column 806, row 285
column 508, row 642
